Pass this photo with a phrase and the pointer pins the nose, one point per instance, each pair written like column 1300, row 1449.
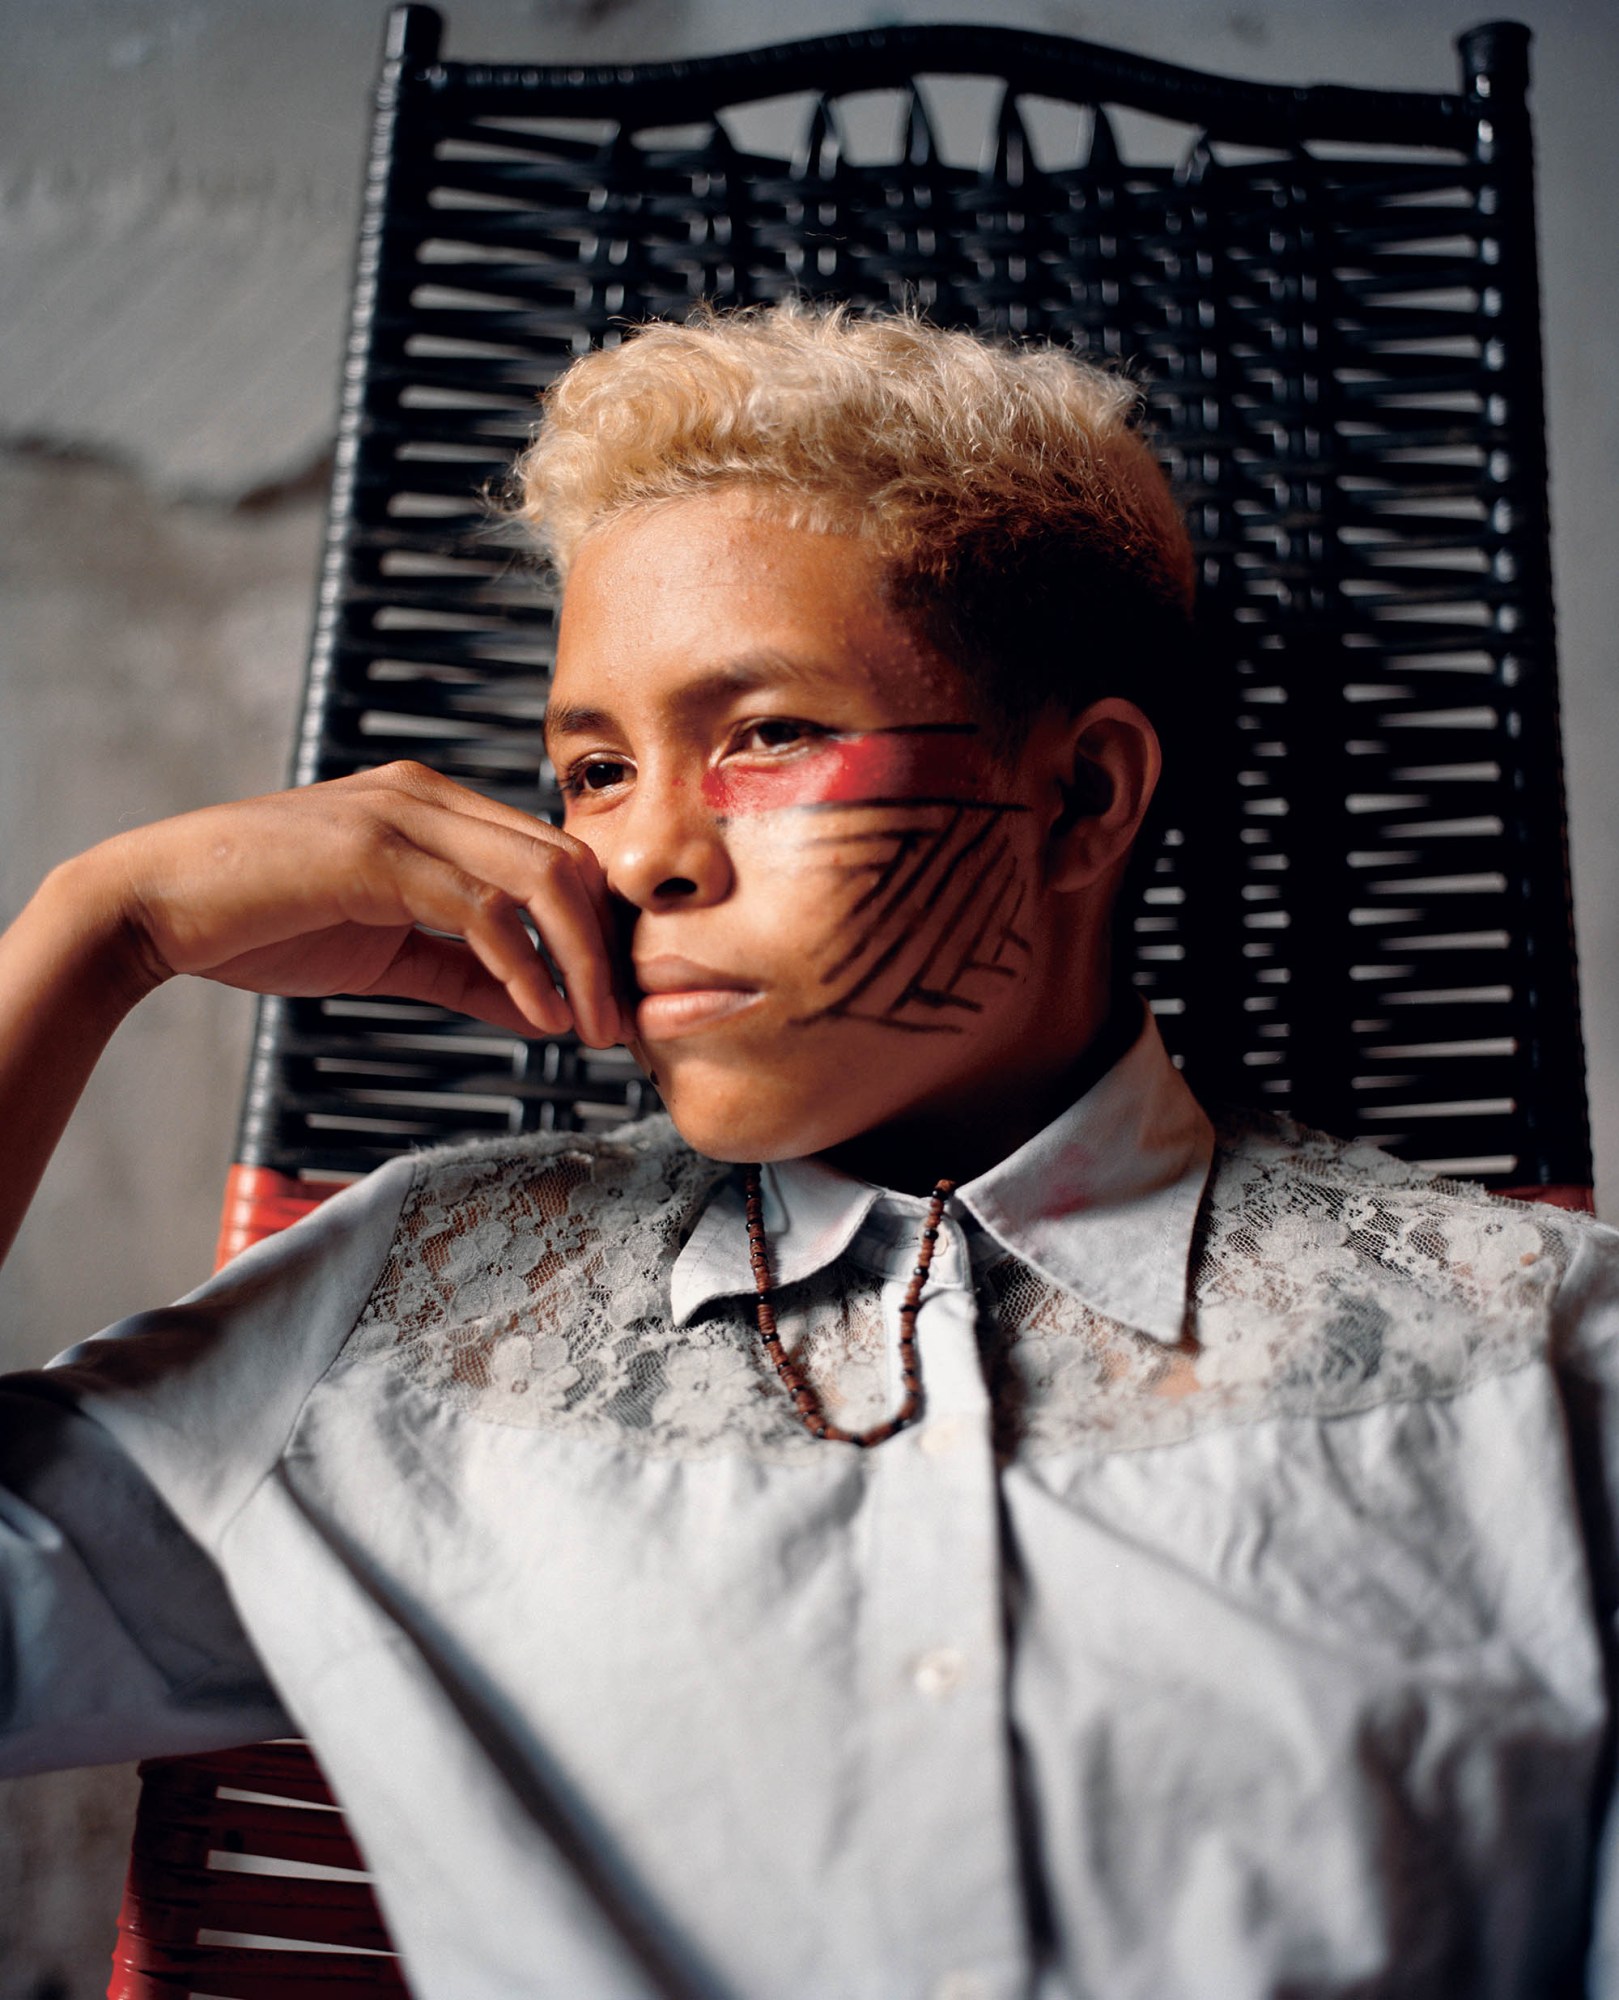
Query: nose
column 667, row 849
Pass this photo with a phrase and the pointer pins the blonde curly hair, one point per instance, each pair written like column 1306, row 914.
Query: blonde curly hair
column 1021, row 519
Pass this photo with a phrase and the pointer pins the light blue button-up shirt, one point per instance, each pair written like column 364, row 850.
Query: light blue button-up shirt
column 1235, row 1621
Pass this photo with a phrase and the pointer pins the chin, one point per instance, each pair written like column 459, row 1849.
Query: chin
column 708, row 1130
column 753, row 1111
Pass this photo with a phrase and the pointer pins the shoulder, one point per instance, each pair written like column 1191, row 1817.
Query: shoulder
column 1271, row 1169
column 528, row 1286
column 645, row 1165
column 1362, row 1272
column 551, row 1212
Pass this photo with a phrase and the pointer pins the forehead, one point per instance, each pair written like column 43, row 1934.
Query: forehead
column 712, row 588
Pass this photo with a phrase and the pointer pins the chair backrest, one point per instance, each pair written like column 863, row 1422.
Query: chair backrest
column 1332, row 297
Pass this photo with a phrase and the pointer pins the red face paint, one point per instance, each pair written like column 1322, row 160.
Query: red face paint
column 898, row 766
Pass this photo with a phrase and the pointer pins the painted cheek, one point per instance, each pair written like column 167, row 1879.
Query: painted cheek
column 877, row 769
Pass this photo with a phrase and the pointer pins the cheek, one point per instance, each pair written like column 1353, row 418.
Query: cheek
column 835, row 821
column 583, row 828
column 770, row 848
column 909, row 919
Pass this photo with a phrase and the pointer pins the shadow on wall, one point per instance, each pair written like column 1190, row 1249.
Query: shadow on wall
column 58, row 1923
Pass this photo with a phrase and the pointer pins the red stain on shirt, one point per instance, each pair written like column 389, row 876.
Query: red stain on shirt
column 856, row 770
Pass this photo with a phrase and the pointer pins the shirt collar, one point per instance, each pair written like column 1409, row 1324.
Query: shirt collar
column 1102, row 1202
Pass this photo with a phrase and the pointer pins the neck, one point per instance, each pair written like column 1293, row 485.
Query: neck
column 984, row 1122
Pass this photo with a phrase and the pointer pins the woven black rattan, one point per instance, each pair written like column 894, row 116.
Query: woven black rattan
column 1332, row 295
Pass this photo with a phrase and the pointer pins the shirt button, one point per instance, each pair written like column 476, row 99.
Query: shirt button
column 961, row 1986
column 936, row 1675
column 942, row 1435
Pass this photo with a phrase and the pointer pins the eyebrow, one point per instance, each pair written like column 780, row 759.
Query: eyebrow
column 740, row 676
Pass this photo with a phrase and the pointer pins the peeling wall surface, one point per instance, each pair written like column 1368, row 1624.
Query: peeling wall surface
column 178, row 193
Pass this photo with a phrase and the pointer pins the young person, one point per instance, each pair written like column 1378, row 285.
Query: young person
column 1017, row 1539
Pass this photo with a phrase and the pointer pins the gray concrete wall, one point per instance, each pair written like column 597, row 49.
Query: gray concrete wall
column 177, row 195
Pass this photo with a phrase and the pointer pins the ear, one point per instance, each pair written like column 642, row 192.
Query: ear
column 1103, row 778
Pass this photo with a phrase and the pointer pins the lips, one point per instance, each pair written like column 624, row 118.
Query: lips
column 668, row 974
column 681, row 997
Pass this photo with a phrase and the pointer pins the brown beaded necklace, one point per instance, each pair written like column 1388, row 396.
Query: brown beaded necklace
column 805, row 1400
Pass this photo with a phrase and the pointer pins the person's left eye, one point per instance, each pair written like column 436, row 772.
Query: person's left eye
column 778, row 732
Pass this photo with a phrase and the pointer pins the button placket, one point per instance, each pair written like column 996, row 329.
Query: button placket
column 942, row 1820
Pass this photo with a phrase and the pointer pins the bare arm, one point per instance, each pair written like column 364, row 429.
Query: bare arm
column 393, row 881
column 66, row 981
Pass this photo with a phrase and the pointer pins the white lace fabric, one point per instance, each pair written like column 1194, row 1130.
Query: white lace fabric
column 1326, row 1277
column 528, row 1285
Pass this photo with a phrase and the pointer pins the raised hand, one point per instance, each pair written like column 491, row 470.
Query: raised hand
column 391, row 881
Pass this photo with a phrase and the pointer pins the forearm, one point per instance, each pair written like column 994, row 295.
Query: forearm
column 70, row 970
column 390, row 881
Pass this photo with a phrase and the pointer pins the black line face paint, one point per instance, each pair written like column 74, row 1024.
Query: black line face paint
column 917, row 864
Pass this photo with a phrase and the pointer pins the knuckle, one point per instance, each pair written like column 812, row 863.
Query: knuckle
column 379, row 839
column 406, row 774
column 547, row 857
column 554, row 850
column 488, row 901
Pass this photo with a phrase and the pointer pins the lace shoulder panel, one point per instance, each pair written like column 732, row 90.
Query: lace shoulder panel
column 1326, row 1277
column 1358, row 1268
column 528, row 1284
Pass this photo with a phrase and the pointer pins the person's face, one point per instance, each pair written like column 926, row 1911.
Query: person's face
column 832, row 886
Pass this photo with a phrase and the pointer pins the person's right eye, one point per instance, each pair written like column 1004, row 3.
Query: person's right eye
column 591, row 774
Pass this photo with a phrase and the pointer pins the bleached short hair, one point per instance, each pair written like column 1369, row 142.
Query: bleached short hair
column 1020, row 516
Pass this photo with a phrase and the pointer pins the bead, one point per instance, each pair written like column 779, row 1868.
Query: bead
column 803, row 1396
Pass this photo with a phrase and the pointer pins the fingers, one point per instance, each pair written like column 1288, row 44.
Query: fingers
column 482, row 904
column 472, row 873
column 576, row 931
column 316, row 890
column 444, row 972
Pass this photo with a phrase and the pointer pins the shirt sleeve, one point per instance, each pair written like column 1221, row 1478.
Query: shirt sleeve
column 121, row 1465
column 1586, row 1340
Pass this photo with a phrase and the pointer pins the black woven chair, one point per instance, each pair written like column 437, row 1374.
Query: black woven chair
column 1331, row 294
